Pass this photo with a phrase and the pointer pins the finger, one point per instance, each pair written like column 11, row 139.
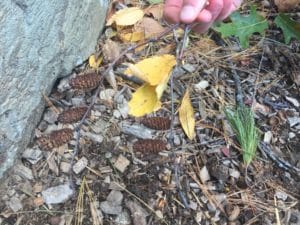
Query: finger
column 202, row 27
column 234, row 6
column 191, row 9
column 172, row 10
column 227, row 9
column 215, row 7
column 204, row 16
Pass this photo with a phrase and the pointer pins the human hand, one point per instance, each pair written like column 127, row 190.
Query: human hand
column 190, row 11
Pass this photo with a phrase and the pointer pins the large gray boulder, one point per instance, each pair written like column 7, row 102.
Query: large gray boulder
column 40, row 40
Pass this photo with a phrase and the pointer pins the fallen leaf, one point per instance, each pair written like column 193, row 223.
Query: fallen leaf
column 289, row 27
column 131, row 36
column 126, row 17
column 95, row 63
column 186, row 116
column 155, row 10
column 150, row 27
column 243, row 26
column 153, row 70
column 111, row 50
column 285, row 5
column 144, row 101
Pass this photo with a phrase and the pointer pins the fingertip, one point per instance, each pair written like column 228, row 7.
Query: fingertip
column 171, row 14
column 202, row 28
column 188, row 14
column 204, row 16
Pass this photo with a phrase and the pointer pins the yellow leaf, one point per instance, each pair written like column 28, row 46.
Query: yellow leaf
column 144, row 101
column 154, row 70
column 93, row 62
column 131, row 37
column 126, row 17
column 186, row 116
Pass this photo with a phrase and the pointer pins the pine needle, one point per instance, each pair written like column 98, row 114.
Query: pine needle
column 243, row 124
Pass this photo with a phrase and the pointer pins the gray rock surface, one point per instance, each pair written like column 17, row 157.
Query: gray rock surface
column 39, row 42
column 57, row 194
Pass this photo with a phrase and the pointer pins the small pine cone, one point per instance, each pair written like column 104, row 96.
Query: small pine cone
column 45, row 143
column 72, row 115
column 149, row 146
column 85, row 82
column 60, row 137
column 157, row 123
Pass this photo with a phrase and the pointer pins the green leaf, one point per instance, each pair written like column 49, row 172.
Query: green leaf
column 243, row 124
column 289, row 27
column 243, row 26
column 152, row 2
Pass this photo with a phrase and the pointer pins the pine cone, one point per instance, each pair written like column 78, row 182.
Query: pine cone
column 55, row 139
column 157, row 123
column 45, row 143
column 85, row 82
column 72, row 115
column 149, row 146
column 60, row 137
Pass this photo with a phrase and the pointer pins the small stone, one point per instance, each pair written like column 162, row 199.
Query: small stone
column 176, row 140
column 116, row 197
column 80, row 165
column 107, row 180
column 136, row 130
column 108, row 155
column 202, row 85
column 189, row 67
column 123, row 218
column 94, row 137
column 100, row 126
column 109, row 208
column 11, row 192
column 281, row 195
column 121, row 163
column 291, row 135
column 193, row 205
column 293, row 101
column 124, row 109
column 33, row 155
column 107, row 94
column 77, row 101
column 234, row 173
column 220, row 198
column 15, row 204
column 204, row 175
column 116, row 114
column 293, row 121
column 268, row 137
column 63, row 85
column 57, row 194
column 23, row 171
column 65, row 167
column 50, row 116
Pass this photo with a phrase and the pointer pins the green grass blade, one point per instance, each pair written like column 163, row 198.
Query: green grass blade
column 243, row 124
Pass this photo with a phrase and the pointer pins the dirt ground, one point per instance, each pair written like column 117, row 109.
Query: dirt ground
column 128, row 171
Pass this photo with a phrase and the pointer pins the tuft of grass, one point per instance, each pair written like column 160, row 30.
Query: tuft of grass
column 243, row 124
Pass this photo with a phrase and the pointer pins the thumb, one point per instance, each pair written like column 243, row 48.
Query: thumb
column 191, row 9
